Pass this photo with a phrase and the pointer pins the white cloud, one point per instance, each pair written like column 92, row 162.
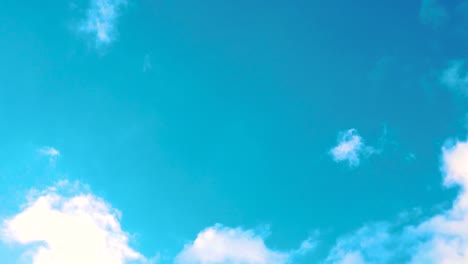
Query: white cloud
column 442, row 239
column 432, row 13
column 351, row 148
column 448, row 232
column 101, row 20
column 454, row 79
column 72, row 228
column 223, row 245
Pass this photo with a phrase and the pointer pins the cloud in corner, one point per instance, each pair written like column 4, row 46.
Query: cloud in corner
column 65, row 224
column 101, row 20
column 442, row 238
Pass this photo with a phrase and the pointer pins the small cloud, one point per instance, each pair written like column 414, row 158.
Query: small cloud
column 61, row 228
column 351, row 148
column 410, row 157
column 50, row 152
column 220, row 244
column 433, row 14
column 147, row 63
column 454, row 78
column 306, row 246
column 101, row 20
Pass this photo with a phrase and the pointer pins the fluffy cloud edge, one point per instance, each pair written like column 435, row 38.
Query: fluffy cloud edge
column 220, row 244
column 67, row 224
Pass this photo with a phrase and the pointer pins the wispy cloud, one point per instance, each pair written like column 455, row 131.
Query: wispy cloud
column 306, row 246
column 443, row 238
column 74, row 229
column 147, row 66
column 220, row 244
column 351, row 148
column 373, row 243
column 101, row 20
column 50, row 152
column 433, row 13
column 455, row 78
column 410, row 157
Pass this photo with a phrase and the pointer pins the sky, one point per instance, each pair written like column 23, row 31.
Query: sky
column 234, row 132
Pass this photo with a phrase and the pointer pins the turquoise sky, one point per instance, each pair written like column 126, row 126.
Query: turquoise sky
column 186, row 115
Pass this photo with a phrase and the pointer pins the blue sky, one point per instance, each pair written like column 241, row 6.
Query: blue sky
column 247, row 132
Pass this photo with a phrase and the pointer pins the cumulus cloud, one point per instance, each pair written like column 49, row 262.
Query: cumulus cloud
column 454, row 78
column 432, row 13
column 223, row 245
column 101, row 20
column 441, row 239
column 448, row 232
column 351, row 148
column 62, row 225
